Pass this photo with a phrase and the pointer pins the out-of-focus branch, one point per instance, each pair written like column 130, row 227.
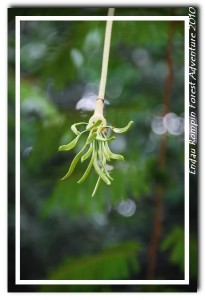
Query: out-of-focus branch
column 159, row 192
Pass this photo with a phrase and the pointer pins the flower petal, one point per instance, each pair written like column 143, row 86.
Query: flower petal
column 102, row 160
column 99, row 137
column 100, row 173
column 91, row 137
column 74, row 129
column 74, row 163
column 123, row 129
column 94, row 125
column 111, row 154
column 69, row 146
column 96, row 186
column 87, row 171
column 87, row 154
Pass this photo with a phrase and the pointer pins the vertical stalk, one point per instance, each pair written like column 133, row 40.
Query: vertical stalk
column 100, row 100
column 106, row 52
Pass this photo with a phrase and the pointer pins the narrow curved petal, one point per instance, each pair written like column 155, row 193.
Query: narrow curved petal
column 96, row 186
column 91, row 137
column 87, row 171
column 74, row 127
column 72, row 144
column 102, row 160
column 123, row 129
column 111, row 154
column 74, row 163
column 100, row 173
column 94, row 125
column 87, row 154
column 69, row 146
column 99, row 137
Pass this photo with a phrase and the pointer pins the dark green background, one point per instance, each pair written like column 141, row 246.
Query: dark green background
column 66, row 234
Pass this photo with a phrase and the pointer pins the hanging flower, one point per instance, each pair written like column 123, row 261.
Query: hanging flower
column 96, row 148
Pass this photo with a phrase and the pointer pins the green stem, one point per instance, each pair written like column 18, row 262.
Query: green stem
column 100, row 103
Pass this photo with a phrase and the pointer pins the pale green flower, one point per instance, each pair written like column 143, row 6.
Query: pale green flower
column 96, row 148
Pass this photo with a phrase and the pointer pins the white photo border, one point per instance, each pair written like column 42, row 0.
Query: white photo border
column 18, row 281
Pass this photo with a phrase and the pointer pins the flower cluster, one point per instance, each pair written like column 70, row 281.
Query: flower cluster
column 96, row 148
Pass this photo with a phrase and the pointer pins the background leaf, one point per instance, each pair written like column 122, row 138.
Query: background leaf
column 113, row 263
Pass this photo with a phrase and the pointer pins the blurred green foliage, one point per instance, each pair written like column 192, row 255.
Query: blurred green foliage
column 113, row 263
column 65, row 234
column 174, row 242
